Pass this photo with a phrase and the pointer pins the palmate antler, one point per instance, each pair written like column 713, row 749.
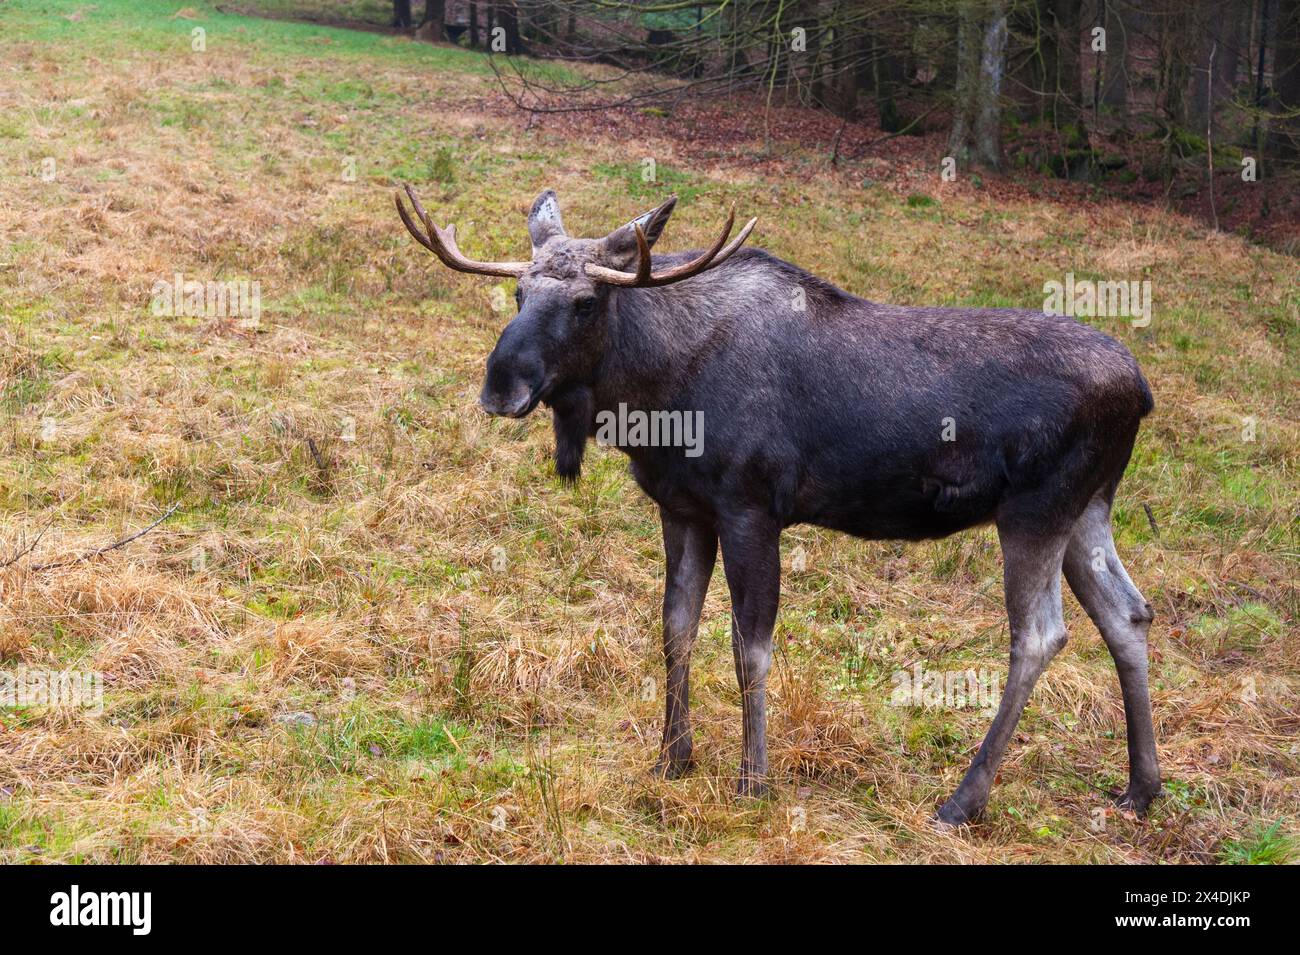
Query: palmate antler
column 718, row 253
column 442, row 243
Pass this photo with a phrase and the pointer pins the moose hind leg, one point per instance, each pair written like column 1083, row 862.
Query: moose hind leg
column 1032, row 583
column 1103, row 587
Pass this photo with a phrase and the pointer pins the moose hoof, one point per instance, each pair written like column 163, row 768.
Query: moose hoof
column 952, row 815
column 672, row 768
column 1137, row 799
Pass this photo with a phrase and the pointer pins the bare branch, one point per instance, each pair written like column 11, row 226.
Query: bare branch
column 20, row 554
column 111, row 547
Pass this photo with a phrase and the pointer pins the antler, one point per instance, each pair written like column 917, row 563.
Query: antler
column 442, row 243
column 643, row 278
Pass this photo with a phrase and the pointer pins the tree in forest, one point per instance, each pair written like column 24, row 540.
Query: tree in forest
column 430, row 26
column 1176, row 33
column 1220, row 43
column 976, row 136
column 1284, row 130
column 1185, row 71
column 887, row 79
column 433, row 26
column 1114, row 61
column 1062, row 25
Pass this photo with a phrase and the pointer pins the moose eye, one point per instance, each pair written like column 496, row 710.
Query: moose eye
column 584, row 306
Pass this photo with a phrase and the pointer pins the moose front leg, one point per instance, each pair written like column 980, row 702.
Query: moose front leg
column 691, row 550
column 751, row 557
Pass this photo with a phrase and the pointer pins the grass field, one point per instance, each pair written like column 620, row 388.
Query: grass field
column 377, row 627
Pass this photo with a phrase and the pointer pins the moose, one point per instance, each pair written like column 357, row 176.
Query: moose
column 822, row 408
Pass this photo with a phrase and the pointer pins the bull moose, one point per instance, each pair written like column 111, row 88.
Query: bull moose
column 823, row 408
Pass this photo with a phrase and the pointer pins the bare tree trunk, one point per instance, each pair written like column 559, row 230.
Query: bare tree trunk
column 946, row 78
column 976, row 136
column 1218, row 50
column 432, row 26
column 473, row 23
column 1284, row 131
column 1067, row 85
column 864, row 74
column 959, row 139
column 1173, row 62
column 887, row 76
column 1230, row 70
column 821, row 42
column 507, row 18
column 1114, row 91
column 777, row 65
column 401, row 13
column 839, row 70
column 1260, row 38
column 993, row 59
column 1046, row 64
column 1209, row 134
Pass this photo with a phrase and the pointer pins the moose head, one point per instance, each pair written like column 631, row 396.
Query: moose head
column 563, row 295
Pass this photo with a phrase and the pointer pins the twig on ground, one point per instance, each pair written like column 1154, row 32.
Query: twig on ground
column 316, row 456
column 20, row 554
column 110, row 547
column 1151, row 519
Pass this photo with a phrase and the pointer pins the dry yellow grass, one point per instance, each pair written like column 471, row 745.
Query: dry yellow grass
column 413, row 644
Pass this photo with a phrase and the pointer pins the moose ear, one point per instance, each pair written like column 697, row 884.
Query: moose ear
column 621, row 243
column 544, row 221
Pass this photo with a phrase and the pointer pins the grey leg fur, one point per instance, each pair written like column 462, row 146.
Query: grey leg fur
column 752, row 560
column 691, row 551
column 1103, row 587
column 1032, row 583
